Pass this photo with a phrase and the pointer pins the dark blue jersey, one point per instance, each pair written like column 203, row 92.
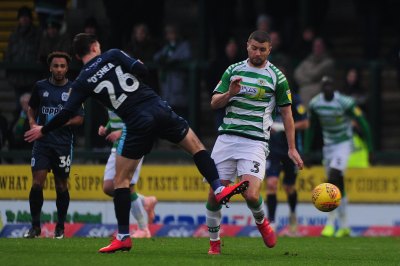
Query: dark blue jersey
column 112, row 79
column 278, row 142
column 48, row 100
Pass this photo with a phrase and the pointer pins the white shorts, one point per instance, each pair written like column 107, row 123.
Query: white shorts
column 235, row 156
column 337, row 155
column 109, row 171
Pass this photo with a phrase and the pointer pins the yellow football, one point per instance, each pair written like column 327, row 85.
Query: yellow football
column 326, row 197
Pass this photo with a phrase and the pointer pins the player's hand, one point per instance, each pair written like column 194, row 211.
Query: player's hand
column 33, row 134
column 114, row 136
column 295, row 157
column 102, row 131
column 234, row 87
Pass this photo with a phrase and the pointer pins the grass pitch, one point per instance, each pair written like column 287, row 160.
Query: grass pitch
column 193, row 251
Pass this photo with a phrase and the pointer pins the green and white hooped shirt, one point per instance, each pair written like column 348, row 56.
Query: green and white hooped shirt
column 335, row 117
column 114, row 123
column 250, row 113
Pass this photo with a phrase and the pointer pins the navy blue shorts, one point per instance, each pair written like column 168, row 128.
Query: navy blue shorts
column 281, row 162
column 55, row 158
column 155, row 120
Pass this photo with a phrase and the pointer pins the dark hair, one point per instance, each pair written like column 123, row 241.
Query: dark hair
column 260, row 36
column 24, row 11
column 58, row 54
column 82, row 42
column 91, row 22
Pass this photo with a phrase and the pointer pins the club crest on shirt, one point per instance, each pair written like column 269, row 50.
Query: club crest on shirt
column 46, row 94
column 64, row 96
column 261, row 82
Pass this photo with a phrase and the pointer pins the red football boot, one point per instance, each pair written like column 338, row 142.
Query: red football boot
column 116, row 245
column 267, row 233
column 224, row 196
column 215, row 247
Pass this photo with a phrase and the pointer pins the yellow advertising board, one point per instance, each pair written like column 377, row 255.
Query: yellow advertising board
column 184, row 183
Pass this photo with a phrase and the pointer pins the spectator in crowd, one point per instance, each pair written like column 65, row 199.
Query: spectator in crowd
column 142, row 46
column 303, row 46
column 91, row 26
column 264, row 23
column 278, row 57
column 311, row 70
column 50, row 8
column 53, row 40
column 173, row 81
column 218, row 66
column 352, row 87
column 21, row 125
column 22, row 50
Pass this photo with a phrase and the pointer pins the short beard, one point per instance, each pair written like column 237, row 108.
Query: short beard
column 256, row 62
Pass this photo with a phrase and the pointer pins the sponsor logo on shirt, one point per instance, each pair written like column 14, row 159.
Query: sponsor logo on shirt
column 64, row 96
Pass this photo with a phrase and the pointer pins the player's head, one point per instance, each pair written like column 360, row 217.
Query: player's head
column 58, row 64
column 85, row 44
column 327, row 87
column 258, row 48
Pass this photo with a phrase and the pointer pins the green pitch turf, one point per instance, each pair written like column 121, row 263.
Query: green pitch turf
column 193, row 251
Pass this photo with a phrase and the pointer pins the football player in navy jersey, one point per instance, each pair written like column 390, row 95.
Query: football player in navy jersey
column 53, row 151
column 114, row 79
column 278, row 160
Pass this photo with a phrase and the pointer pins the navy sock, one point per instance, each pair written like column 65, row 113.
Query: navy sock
column 207, row 168
column 271, row 206
column 292, row 200
column 122, row 205
column 36, row 203
column 62, row 203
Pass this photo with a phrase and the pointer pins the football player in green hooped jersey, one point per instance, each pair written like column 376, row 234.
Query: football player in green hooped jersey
column 335, row 113
column 249, row 91
column 142, row 207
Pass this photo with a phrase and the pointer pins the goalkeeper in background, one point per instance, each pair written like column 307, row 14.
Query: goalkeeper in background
column 142, row 208
column 335, row 113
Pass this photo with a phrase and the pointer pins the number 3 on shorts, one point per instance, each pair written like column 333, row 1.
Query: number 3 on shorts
column 65, row 161
column 256, row 168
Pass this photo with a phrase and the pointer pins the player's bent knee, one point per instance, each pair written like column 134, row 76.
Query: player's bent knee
column 252, row 197
column 272, row 185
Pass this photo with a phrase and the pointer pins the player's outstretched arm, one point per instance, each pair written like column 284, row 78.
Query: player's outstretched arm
column 286, row 112
column 75, row 121
column 58, row 121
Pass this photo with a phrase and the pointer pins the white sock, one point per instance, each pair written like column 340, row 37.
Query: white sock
column 219, row 190
column 258, row 213
column 342, row 212
column 139, row 213
column 122, row 236
column 331, row 218
column 213, row 221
